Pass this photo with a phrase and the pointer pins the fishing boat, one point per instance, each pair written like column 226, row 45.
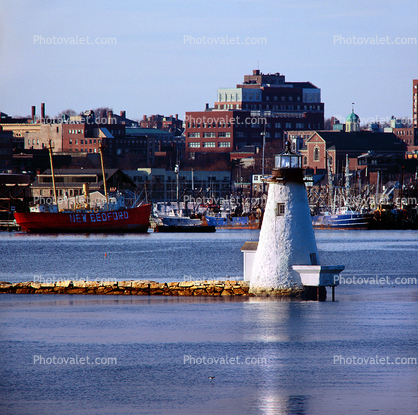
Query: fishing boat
column 343, row 218
column 113, row 216
column 234, row 222
column 183, row 224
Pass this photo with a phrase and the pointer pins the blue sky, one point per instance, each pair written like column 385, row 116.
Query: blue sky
column 169, row 57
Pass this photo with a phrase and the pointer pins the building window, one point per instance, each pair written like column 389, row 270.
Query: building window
column 209, row 144
column 288, row 125
column 209, row 135
column 305, row 160
column 195, row 145
column 280, row 209
column 224, row 144
column 193, row 135
column 70, row 141
column 224, row 134
column 316, row 154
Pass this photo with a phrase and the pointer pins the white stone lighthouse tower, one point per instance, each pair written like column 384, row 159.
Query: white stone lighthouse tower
column 287, row 237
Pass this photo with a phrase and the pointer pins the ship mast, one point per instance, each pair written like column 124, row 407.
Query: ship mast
column 103, row 171
column 52, row 171
column 330, row 187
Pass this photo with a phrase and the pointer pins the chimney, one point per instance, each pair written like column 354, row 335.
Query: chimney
column 256, row 71
column 110, row 117
column 33, row 113
column 42, row 111
column 144, row 117
column 177, row 116
column 207, row 106
column 123, row 114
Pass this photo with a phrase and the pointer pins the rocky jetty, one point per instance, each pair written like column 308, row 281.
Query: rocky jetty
column 141, row 287
column 146, row 287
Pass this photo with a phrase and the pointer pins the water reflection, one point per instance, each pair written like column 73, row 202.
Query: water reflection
column 276, row 322
column 290, row 405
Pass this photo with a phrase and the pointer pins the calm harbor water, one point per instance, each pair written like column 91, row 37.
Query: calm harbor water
column 151, row 355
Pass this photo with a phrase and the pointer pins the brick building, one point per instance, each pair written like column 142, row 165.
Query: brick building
column 264, row 104
column 335, row 145
column 161, row 122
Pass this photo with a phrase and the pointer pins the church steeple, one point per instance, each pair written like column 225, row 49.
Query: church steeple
column 352, row 122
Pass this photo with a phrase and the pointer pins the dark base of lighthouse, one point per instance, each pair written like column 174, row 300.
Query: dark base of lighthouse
column 304, row 293
column 315, row 293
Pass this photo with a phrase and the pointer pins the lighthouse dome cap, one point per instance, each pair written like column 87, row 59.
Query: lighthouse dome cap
column 288, row 151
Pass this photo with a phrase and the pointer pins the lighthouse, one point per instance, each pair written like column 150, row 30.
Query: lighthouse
column 287, row 237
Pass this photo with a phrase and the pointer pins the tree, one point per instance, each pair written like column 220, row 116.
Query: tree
column 66, row 113
column 327, row 124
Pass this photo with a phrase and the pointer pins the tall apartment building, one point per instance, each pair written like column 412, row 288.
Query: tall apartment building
column 262, row 104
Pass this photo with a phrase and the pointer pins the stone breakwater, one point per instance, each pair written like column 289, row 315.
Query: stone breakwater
column 143, row 287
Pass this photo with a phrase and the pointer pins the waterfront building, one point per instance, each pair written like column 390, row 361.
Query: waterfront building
column 14, row 190
column 69, row 182
column 264, row 106
column 160, row 185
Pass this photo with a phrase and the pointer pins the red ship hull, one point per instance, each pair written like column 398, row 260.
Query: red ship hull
column 127, row 220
